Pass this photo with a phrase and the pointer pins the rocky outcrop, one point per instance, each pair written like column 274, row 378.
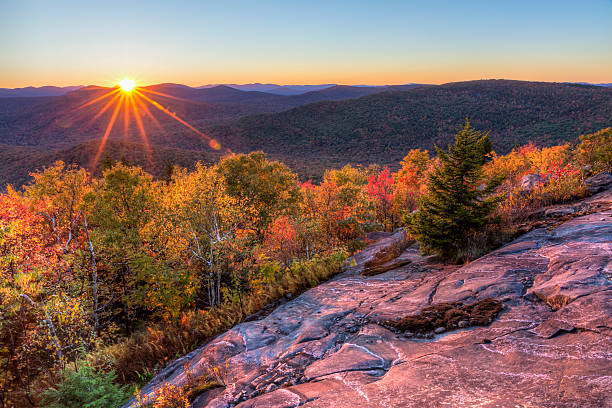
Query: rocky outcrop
column 599, row 182
column 549, row 344
column 556, row 214
column 383, row 255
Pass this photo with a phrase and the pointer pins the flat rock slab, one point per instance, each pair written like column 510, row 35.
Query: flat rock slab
column 551, row 346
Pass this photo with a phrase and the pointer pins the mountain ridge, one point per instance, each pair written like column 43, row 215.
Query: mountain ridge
column 375, row 127
column 32, row 91
column 275, row 89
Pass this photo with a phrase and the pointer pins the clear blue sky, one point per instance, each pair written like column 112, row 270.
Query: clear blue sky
column 351, row 42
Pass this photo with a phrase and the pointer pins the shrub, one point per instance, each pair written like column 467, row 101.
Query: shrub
column 561, row 182
column 166, row 396
column 595, row 150
column 86, row 388
column 173, row 396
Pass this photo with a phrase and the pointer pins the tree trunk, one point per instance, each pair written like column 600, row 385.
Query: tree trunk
column 94, row 276
column 49, row 323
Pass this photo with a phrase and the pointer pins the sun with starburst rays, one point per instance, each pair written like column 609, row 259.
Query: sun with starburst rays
column 135, row 101
column 127, row 84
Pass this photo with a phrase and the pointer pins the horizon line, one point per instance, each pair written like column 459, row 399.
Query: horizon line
column 309, row 84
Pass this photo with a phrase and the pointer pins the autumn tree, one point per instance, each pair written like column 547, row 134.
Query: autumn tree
column 350, row 182
column 333, row 222
column 122, row 205
column 456, row 204
column 207, row 218
column 595, row 150
column 267, row 188
column 58, row 193
column 23, row 252
column 413, row 167
column 381, row 195
column 48, row 300
column 337, row 208
column 44, row 319
column 282, row 240
column 409, row 182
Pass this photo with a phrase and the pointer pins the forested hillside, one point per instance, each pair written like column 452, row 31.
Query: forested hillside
column 378, row 128
column 62, row 120
column 16, row 162
column 381, row 128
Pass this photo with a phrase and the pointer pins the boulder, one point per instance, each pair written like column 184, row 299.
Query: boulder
column 599, row 182
column 530, row 182
column 383, row 255
column 559, row 211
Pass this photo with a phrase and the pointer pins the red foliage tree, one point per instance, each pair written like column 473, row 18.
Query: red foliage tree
column 381, row 193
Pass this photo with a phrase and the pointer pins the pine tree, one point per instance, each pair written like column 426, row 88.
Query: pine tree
column 456, row 204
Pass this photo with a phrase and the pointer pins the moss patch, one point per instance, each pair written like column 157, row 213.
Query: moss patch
column 449, row 316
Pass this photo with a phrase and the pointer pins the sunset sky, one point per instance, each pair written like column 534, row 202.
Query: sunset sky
column 303, row 42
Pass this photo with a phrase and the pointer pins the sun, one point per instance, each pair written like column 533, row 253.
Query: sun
column 133, row 102
column 127, row 84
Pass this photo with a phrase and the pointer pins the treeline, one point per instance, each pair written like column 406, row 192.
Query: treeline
column 121, row 273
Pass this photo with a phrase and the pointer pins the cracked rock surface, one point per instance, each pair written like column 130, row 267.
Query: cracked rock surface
column 551, row 346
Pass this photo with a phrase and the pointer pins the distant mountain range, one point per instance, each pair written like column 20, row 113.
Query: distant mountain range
column 230, row 94
column 383, row 127
column 30, row 91
column 285, row 90
column 275, row 89
column 587, row 83
column 311, row 131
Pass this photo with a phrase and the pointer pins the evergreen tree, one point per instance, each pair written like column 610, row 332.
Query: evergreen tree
column 456, row 204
